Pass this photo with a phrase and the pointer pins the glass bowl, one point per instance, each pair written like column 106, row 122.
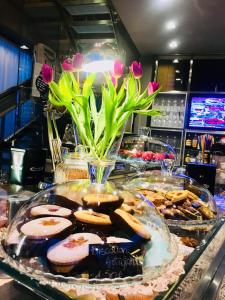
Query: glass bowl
column 143, row 152
column 81, row 234
column 178, row 198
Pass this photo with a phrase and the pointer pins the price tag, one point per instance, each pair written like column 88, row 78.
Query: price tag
column 113, row 261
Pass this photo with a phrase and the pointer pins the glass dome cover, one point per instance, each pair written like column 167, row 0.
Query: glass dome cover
column 144, row 152
column 178, row 198
column 80, row 234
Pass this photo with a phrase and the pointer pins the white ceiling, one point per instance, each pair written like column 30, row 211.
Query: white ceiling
column 200, row 25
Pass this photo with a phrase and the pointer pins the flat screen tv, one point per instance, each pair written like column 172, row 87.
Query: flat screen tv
column 207, row 112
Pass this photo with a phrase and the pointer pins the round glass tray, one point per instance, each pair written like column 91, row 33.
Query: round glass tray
column 79, row 234
column 178, row 198
column 142, row 152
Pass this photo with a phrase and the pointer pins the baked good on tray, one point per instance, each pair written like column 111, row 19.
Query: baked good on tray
column 68, row 253
column 46, row 227
column 102, row 202
column 50, row 210
column 179, row 204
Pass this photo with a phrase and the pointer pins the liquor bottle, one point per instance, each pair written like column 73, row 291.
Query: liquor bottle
column 188, row 142
column 187, row 158
column 195, row 142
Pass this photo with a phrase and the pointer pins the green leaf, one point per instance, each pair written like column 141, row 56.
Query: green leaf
column 75, row 84
column 87, row 86
column 94, row 112
column 151, row 112
column 65, row 86
column 54, row 101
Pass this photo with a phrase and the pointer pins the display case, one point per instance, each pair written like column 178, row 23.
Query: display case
column 172, row 137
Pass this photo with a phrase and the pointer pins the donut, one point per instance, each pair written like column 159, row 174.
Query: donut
column 50, row 210
column 68, row 253
column 128, row 222
column 46, row 227
column 177, row 195
column 102, row 202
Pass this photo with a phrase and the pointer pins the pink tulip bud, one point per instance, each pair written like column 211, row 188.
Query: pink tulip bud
column 136, row 69
column 47, row 73
column 152, row 87
column 118, row 69
column 78, row 60
column 67, row 65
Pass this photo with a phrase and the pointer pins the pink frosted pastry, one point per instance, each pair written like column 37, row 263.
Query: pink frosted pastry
column 50, row 210
column 66, row 254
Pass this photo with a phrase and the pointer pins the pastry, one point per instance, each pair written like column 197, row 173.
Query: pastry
column 177, row 195
column 50, row 210
column 47, row 227
column 127, row 208
column 102, row 202
column 92, row 217
column 206, row 212
column 91, row 221
column 128, row 222
column 66, row 254
column 192, row 196
column 67, row 200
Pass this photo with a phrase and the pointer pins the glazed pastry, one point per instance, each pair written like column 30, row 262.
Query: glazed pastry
column 67, row 200
column 102, row 202
column 128, row 222
column 206, row 212
column 66, row 254
column 50, row 210
column 47, row 227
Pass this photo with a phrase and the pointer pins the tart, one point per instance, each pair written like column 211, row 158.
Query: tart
column 50, row 210
column 129, row 223
column 102, row 202
column 46, row 227
column 66, row 254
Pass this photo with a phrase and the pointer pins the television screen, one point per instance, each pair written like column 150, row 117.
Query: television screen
column 207, row 112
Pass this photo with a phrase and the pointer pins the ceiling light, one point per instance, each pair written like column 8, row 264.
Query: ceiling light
column 177, row 71
column 99, row 66
column 24, row 47
column 175, row 61
column 173, row 44
column 178, row 79
column 171, row 25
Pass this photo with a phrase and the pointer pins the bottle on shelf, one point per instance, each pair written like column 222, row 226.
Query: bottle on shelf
column 175, row 141
column 188, row 142
column 187, row 157
column 195, row 142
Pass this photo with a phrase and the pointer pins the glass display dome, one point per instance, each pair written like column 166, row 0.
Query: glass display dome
column 143, row 152
column 178, row 198
column 95, row 234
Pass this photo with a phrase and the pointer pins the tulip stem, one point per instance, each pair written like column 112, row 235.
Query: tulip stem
column 139, row 86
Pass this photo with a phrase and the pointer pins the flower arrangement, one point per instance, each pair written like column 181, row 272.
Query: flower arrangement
column 121, row 96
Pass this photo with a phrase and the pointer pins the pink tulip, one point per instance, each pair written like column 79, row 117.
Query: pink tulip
column 118, row 69
column 77, row 62
column 47, row 73
column 152, row 87
column 136, row 69
column 67, row 65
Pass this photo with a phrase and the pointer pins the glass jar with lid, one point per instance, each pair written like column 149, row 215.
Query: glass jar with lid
column 73, row 167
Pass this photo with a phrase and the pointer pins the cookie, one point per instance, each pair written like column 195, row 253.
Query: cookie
column 102, row 202
column 50, row 210
column 66, row 254
column 46, row 227
column 177, row 195
column 93, row 218
column 130, row 224
column 192, row 196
